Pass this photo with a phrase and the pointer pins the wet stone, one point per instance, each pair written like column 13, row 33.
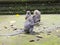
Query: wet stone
column 39, row 36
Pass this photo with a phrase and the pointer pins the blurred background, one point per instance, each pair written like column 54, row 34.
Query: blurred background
column 21, row 6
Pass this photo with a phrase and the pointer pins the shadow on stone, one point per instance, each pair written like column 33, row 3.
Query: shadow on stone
column 31, row 40
column 5, row 27
column 14, row 29
column 37, row 39
column 48, row 34
column 33, row 33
